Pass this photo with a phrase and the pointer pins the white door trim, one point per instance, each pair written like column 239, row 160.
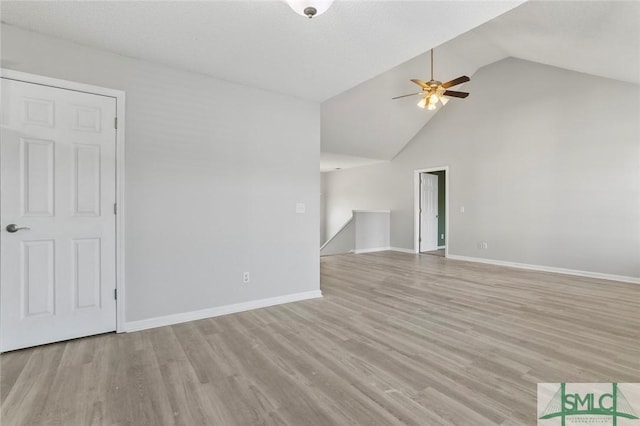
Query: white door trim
column 429, row 212
column 119, row 96
column 416, row 207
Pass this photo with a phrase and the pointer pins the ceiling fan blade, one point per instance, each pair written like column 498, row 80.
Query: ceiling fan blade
column 456, row 94
column 420, row 83
column 456, row 81
column 410, row 94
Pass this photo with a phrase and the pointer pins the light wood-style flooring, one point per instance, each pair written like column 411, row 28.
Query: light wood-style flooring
column 397, row 339
column 438, row 252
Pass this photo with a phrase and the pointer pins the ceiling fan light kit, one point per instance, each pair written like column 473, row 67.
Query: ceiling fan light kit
column 309, row 8
column 435, row 91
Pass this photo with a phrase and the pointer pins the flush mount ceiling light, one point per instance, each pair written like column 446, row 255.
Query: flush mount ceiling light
column 434, row 91
column 309, row 8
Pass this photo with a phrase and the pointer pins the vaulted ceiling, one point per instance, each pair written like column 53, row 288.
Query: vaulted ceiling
column 261, row 44
column 600, row 38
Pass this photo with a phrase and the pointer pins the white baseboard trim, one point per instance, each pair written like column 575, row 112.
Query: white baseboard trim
column 575, row 272
column 218, row 311
column 402, row 250
column 371, row 250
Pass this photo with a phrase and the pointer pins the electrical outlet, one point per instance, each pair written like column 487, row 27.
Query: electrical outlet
column 442, row 236
column 482, row 245
column 301, row 207
column 461, row 209
column 246, row 277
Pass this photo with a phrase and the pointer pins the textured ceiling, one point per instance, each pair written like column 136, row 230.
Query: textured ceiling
column 595, row 37
column 349, row 56
column 261, row 43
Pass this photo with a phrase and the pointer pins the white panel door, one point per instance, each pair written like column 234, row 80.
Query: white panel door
column 428, row 212
column 57, row 179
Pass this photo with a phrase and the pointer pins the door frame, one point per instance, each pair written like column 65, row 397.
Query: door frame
column 416, row 207
column 119, row 97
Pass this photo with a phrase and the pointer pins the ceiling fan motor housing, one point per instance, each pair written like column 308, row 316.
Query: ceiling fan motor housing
column 434, row 91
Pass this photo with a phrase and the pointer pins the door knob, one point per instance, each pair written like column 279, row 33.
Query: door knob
column 15, row 228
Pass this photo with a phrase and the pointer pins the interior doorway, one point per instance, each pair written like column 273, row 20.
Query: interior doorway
column 431, row 211
column 61, row 237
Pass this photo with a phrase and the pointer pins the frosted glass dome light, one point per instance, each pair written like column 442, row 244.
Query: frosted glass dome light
column 309, row 8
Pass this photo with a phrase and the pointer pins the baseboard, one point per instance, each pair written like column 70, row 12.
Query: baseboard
column 218, row 311
column 371, row 250
column 402, row 250
column 575, row 272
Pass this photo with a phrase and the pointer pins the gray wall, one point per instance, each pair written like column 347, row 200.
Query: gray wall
column 323, row 210
column 545, row 161
column 343, row 242
column 213, row 174
column 373, row 230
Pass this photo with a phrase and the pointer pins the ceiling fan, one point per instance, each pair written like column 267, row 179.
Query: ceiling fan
column 434, row 91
